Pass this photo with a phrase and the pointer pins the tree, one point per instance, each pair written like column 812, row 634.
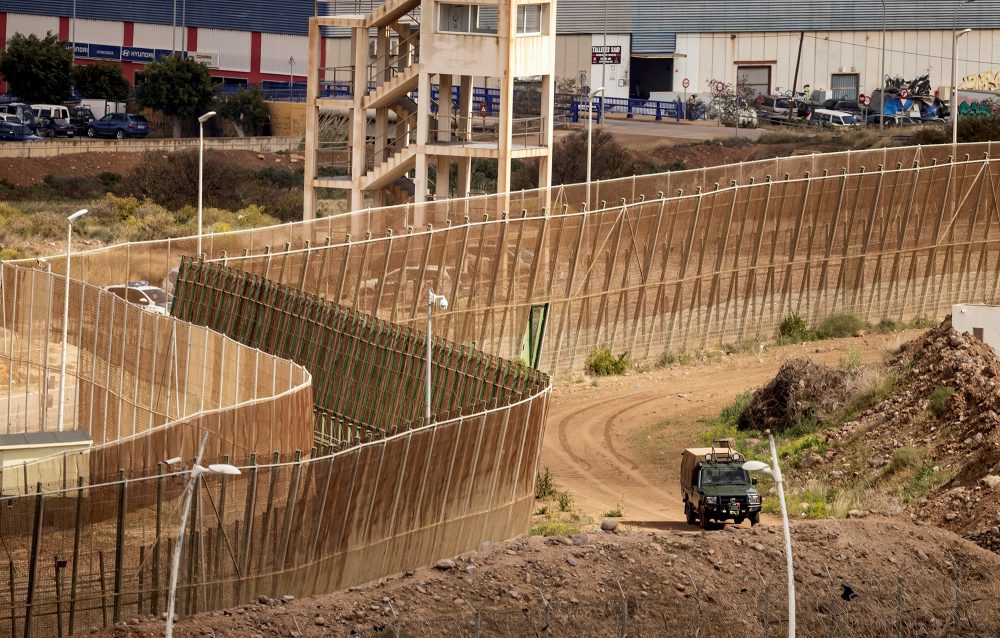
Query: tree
column 102, row 81
column 177, row 87
column 245, row 109
column 610, row 159
column 37, row 70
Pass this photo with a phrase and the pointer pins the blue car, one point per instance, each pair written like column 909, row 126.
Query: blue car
column 12, row 132
column 119, row 125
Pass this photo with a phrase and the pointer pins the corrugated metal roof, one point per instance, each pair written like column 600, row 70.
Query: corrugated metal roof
column 44, row 438
column 651, row 22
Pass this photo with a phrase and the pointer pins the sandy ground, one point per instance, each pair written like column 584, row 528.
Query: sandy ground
column 619, row 441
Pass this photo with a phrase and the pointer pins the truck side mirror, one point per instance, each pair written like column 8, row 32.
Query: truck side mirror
column 753, row 481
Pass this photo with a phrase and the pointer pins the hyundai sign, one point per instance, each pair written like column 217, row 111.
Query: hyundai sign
column 121, row 54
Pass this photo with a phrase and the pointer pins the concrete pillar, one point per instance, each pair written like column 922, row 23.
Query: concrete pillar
column 507, row 32
column 423, row 122
column 465, row 106
column 547, row 108
column 444, row 109
column 359, row 45
column 309, row 203
column 442, row 184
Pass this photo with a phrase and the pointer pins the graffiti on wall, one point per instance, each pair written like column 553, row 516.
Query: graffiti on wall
column 980, row 107
column 985, row 81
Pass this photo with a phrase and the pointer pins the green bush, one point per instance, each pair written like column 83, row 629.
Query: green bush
column 793, row 327
column 616, row 512
column 939, row 400
column 889, row 325
column 603, row 362
column 565, row 501
column 905, row 457
column 837, row 326
column 851, row 360
column 668, row 357
column 544, row 487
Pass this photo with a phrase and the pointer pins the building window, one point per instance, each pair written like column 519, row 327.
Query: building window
column 466, row 18
column 844, row 86
column 977, row 333
column 758, row 77
column 529, row 19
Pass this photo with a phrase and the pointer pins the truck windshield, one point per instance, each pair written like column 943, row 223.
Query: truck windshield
column 724, row 476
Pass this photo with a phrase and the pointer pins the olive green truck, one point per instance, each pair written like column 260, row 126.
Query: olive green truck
column 716, row 488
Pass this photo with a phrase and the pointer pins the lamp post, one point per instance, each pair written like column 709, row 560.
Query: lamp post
column 590, row 135
column 61, row 411
column 196, row 471
column 291, row 75
column 775, row 473
column 881, row 79
column 442, row 303
column 201, row 168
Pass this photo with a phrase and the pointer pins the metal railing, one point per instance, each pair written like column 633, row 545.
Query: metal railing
column 525, row 131
column 630, row 107
column 401, row 55
column 405, row 135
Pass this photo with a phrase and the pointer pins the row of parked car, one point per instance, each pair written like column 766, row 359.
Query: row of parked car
column 20, row 122
column 831, row 113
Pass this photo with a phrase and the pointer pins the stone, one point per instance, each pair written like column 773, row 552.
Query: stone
column 571, row 560
column 471, row 569
column 445, row 564
column 857, row 514
column 609, row 525
column 991, row 481
column 287, row 598
column 319, row 621
column 580, row 539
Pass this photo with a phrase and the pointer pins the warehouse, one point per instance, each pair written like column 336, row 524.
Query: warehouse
column 638, row 48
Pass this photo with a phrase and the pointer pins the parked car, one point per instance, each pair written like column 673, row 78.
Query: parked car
column 827, row 117
column 55, row 127
column 119, row 125
column 149, row 298
column 21, row 110
column 50, row 111
column 81, row 117
column 848, row 106
column 16, row 132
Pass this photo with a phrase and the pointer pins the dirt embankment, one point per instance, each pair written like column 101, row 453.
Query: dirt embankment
column 731, row 583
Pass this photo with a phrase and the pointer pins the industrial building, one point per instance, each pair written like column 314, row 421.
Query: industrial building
column 632, row 47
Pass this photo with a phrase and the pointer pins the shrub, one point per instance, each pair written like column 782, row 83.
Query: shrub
column 889, row 325
column 905, row 457
column 851, row 360
column 554, row 527
column 603, row 362
column 544, row 487
column 794, row 327
column 616, row 512
column 939, row 400
column 668, row 357
column 837, row 326
column 565, row 501
column 782, row 137
column 929, row 134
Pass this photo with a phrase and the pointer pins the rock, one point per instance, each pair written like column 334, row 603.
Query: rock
column 445, row 564
column 571, row 560
column 857, row 514
column 580, row 539
column 757, row 546
column 260, row 156
column 287, row 598
column 922, row 555
column 950, row 516
column 471, row 569
column 263, row 600
column 485, row 546
column 810, row 459
column 609, row 525
column 991, row 481
column 319, row 621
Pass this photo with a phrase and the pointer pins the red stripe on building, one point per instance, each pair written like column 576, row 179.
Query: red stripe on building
column 192, row 39
column 64, row 29
column 128, row 40
column 255, row 45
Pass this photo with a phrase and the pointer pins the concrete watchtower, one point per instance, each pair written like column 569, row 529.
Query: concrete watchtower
column 434, row 88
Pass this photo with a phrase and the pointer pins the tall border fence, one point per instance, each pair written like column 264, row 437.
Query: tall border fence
column 673, row 261
column 384, row 492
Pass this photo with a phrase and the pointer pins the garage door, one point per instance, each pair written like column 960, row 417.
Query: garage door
column 759, row 77
column 844, row 86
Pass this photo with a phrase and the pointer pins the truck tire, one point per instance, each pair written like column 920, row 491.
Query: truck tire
column 689, row 513
column 754, row 519
column 702, row 518
column 738, row 520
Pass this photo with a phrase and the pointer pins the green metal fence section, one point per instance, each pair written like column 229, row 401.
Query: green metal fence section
column 368, row 374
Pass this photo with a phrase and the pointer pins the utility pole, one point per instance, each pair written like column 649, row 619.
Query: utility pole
column 795, row 78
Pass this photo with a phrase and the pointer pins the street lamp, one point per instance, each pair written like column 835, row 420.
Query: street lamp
column 291, row 75
column 201, row 168
column 61, row 412
column 881, row 79
column 442, row 303
column 196, row 471
column 775, row 473
column 590, row 135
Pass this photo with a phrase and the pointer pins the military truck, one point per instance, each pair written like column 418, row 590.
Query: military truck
column 715, row 486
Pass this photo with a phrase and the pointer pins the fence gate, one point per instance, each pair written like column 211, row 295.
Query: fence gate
column 531, row 349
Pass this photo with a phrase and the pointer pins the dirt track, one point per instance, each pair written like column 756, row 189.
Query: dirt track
column 620, row 442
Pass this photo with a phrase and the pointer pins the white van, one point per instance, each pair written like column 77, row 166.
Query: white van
column 50, row 111
column 826, row 117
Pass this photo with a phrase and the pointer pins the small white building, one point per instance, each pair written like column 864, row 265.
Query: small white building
column 29, row 458
column 982, row 321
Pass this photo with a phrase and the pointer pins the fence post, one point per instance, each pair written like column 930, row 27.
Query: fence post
column 59, row 564
column 155, row 576
column 13, row 614
column 76, row 555
column 36, row 540
column 119, row 547
column 659, row 113
column 104, row 597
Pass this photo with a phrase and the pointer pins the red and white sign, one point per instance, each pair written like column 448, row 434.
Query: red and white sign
column 903, row 93
column 720, row 87
column 685, row 83
column 864, row 99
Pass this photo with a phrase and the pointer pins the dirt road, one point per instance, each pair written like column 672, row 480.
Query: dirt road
column 619, row 443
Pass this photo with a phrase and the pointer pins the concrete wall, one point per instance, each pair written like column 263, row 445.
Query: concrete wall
column 979, row 320
column 52, row 148
column 287, row 118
